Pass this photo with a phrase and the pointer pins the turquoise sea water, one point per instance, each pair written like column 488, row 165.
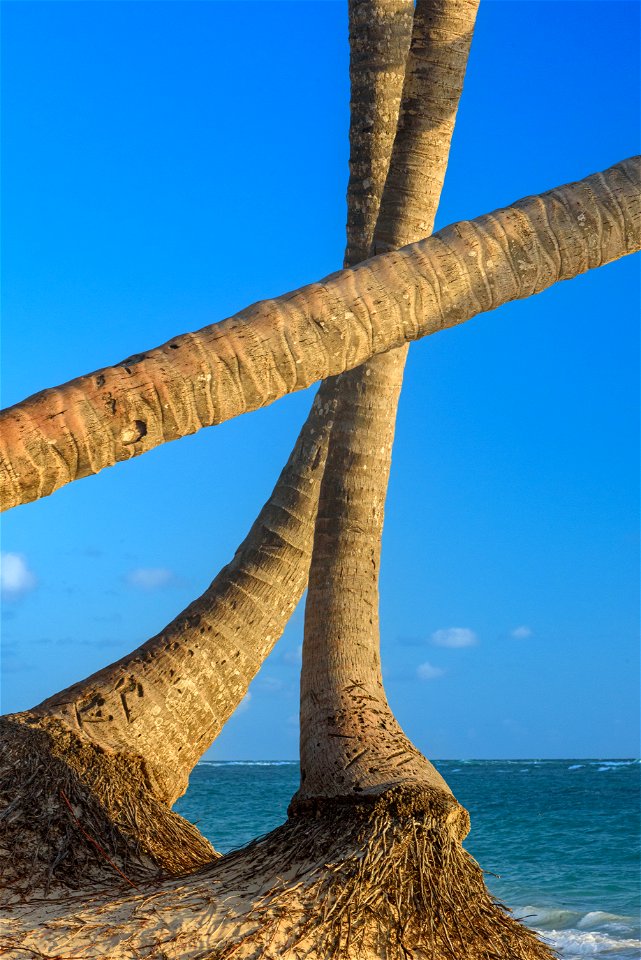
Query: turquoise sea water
column 562, row 837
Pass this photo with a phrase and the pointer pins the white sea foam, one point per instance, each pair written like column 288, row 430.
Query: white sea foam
column 575, row 934
column 574, row 944
column 560, row 918
column 613, row 764
column 576, row 766
column 246, row 763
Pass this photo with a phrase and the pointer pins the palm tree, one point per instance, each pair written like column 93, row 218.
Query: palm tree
column 161, row 764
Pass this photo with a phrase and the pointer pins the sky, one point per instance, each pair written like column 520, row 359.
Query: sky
column 165, row 164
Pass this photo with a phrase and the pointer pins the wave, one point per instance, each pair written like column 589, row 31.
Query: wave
column 575, row 934
column 560, row 918
column 573, row 944
column 247, row 763
column 613, row 921
column 616, row 764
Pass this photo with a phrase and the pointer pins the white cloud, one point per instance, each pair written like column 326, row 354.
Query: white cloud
column 454, row 637
column 426, row 671
column 149, row 578
column 15, row 576
column 521, row 633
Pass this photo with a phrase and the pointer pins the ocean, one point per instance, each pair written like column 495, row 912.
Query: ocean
column 559, row 839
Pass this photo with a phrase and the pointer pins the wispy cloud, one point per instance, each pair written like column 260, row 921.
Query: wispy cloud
column 16, row 578
column 427, row 671
column 521, row 633
column 455, row 637
column 150, row 578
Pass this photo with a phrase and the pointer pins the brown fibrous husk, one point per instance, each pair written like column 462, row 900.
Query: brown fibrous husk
column 73, row 815
column 365, row 877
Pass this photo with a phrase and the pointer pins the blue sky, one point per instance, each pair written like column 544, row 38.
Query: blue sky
column 165, row 164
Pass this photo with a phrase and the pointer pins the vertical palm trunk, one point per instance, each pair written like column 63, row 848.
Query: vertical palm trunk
column 402, row 884
column 350, row 742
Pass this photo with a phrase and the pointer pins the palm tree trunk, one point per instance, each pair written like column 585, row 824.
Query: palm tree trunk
column 376, row 832
column 350, row 742
column 154, row 712
column 169, row 699
column 286, row 344
column 362, row 781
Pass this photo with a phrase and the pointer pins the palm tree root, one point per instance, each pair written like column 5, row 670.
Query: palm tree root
column 372, row 877
column 367, row 878
column 72, row 814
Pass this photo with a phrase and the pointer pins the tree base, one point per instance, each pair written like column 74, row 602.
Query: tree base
column 74, row 815
column 379, row 879
column 375, row 877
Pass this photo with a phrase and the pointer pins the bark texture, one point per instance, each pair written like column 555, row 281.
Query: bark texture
column 282, row 345
column 379, row 37
column 168, row 700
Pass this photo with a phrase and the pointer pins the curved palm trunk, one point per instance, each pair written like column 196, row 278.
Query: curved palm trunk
column 168, row 700
column 120, row 745
column 282, row 345
column 139, row 725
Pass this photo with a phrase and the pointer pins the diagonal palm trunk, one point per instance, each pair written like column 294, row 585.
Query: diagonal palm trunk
column 286, row 344
column 154, row 712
